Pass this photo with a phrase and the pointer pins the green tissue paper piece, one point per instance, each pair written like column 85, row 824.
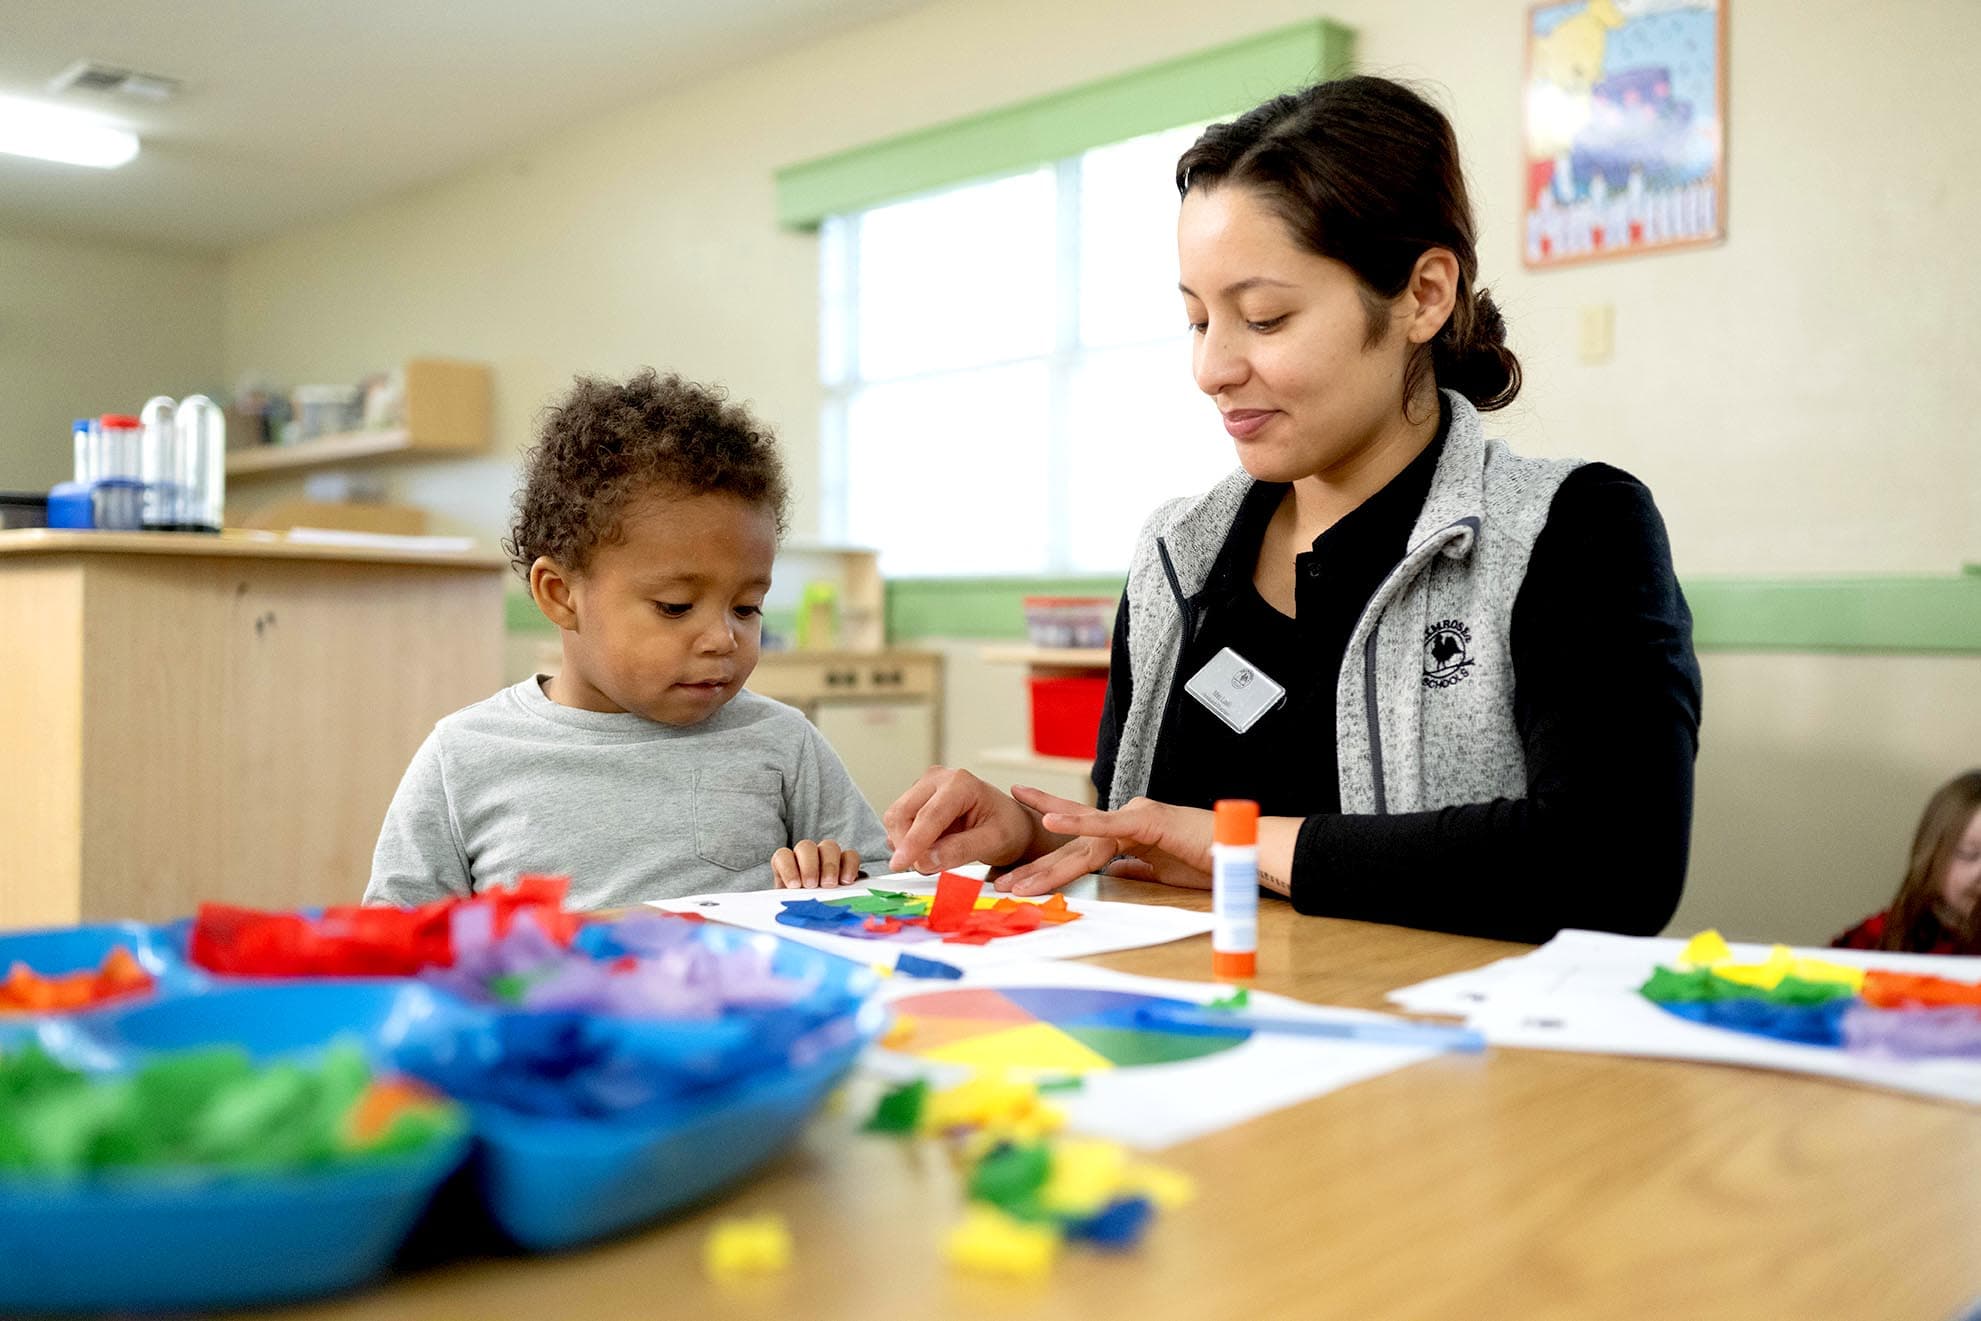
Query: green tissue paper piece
column 1010, row 1177
column 900, row 1111
column 883, row 903
column 213, row 1110
column 509, row 987
column 1795, row 991
column 1072, row 1082
column 1669, row 986
column 1237, row 1000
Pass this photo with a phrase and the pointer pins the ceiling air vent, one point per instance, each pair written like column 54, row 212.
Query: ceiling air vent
column 96, row 76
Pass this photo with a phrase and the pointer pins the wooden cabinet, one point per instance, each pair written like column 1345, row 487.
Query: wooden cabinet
column 217, row 717
column 880, row 710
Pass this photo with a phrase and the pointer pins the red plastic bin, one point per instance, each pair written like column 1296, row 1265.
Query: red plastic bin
column 1066, row 714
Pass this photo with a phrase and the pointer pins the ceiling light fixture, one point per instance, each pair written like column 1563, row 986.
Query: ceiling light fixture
column 51, row 133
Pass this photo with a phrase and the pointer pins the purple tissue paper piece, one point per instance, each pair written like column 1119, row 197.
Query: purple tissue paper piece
column 671, row 972
column 1924, row 1033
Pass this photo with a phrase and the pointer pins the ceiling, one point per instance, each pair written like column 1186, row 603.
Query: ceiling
column 293, row 110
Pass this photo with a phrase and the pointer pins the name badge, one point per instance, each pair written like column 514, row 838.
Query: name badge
column 1234, row 690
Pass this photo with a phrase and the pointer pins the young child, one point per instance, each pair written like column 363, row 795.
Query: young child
column 646, row 524
column 1934, row 910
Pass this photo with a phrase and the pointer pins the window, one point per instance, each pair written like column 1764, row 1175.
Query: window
column 1007, row 371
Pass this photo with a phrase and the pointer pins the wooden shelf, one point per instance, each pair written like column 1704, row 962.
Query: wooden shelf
column 447, row 406
column 1067, row 658
column 323, row 450
column 1025, row 759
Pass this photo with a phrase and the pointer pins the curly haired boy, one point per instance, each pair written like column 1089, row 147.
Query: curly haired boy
column 646, row 524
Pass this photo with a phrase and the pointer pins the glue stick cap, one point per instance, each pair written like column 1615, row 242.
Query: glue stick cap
column 1237, row 821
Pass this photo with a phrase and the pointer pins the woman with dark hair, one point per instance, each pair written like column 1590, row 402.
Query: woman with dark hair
column 1458, row 682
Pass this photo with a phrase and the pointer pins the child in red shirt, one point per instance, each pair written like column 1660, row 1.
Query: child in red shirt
column 1934, row 909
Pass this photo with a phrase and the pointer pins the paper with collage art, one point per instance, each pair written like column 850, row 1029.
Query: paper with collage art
column 1580, row 992
column 1144, row 1085
column 1103, row 928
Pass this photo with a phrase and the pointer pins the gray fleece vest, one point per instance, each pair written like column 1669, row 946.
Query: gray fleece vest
column 1424, row 700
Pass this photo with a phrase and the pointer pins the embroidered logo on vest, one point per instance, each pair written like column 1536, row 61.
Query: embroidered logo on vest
column 1445, row 657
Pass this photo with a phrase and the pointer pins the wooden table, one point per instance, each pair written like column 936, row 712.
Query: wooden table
column 218, row 717
column 1517, row 1184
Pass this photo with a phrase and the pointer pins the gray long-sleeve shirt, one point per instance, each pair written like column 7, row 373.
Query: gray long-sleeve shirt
column 629, row 809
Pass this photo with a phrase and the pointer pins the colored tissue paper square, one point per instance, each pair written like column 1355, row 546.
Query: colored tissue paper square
column 357, row 941
column 955, row 901
column 26, row 991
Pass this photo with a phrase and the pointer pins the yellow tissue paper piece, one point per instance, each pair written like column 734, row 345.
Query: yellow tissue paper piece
column 1704, row 950
column 1709, row 950
column 988, row 1101
column 747, row 1245
column 900, row 1030
column 884, row 969
column 1766, row 975
column 1086, row 1175
column 1822, row 970
column 993, row 1243
column 1166, row 1189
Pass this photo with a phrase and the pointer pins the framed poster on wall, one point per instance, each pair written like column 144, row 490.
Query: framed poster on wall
column 1625, row 126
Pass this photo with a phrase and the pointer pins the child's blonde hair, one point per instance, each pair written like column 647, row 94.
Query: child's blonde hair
column 1909, row 920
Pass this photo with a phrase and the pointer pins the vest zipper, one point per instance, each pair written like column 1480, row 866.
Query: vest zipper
column 1187, row 610
column 1419, row 555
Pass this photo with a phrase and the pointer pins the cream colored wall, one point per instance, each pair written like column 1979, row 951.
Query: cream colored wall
column 1812, row 777
column 1789, row 396
column 89, row 328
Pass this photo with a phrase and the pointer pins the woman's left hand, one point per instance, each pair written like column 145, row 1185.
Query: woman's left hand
column 1141, row 840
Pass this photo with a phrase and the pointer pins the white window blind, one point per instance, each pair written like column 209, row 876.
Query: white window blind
column 1006, row 369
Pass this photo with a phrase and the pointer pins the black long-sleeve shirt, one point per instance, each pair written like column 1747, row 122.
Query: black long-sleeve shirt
column 1606, row 704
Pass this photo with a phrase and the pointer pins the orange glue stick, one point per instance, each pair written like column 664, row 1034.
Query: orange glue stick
column 1235, row 890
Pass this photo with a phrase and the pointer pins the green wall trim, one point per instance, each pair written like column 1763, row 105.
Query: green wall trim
column 1913, row 614
column 520, row 615
column 1208, row 85
column 977, row 607
column 1870, row 614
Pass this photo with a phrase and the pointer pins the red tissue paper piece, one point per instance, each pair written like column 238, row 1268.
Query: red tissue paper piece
column 354, row 941
column 955, row 901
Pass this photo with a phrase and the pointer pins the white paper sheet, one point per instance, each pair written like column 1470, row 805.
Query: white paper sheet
column 1156, row 1105
column 1103, row 928
column 1579, row 992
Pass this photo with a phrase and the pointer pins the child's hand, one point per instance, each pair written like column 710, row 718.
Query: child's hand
column 809, row 866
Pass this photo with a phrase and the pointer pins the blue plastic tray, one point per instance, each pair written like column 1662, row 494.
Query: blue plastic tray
column 556, row 1183
column 154, row 1241
column 58, row 950
column 747, row 1085
column 274, row 1019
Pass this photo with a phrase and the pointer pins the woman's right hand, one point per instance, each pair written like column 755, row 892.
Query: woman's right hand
column 950, row 817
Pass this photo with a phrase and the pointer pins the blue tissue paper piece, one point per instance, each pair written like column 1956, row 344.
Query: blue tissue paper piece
column 910, row 966
column 1120, row 1224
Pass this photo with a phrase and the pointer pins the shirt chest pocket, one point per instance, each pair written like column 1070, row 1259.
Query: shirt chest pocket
column 739, row 818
